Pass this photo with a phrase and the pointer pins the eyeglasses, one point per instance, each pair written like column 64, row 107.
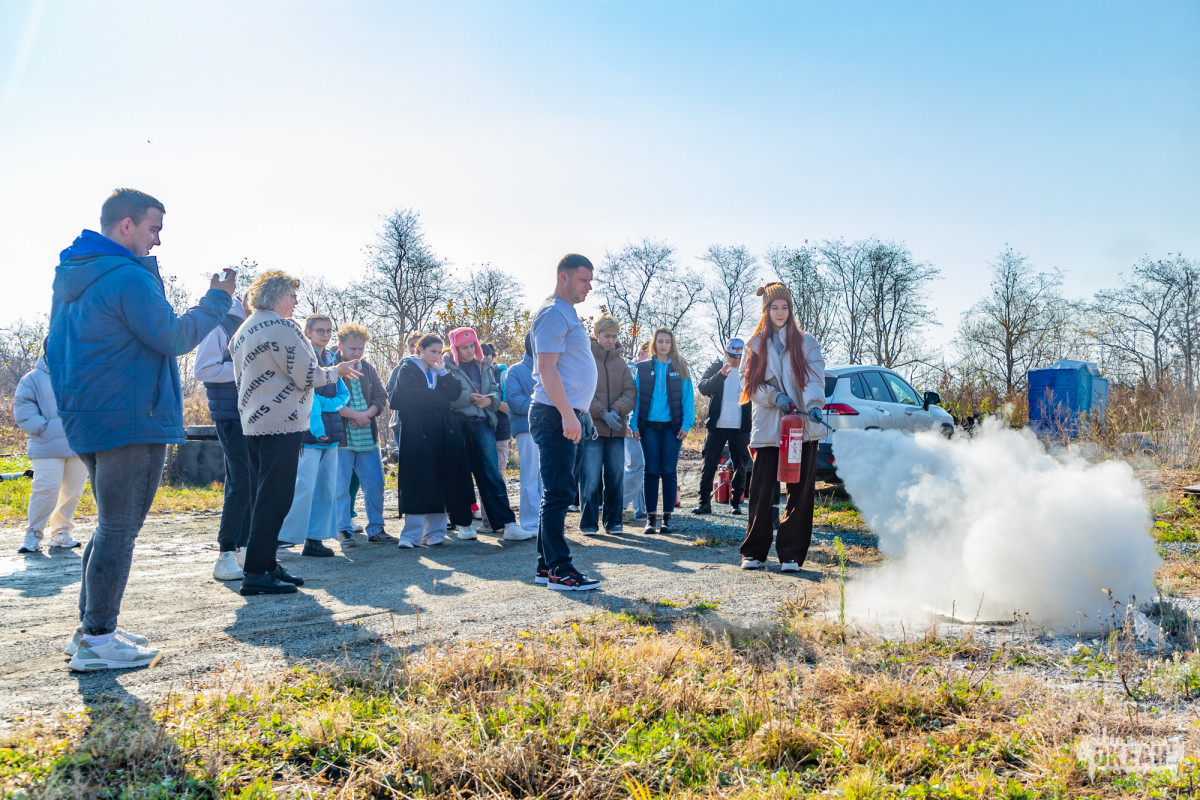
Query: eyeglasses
column 323, row 331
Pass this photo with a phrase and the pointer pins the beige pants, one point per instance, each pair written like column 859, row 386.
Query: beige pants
column 54, row 495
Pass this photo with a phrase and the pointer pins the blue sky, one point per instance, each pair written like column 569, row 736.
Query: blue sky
column 281, row 131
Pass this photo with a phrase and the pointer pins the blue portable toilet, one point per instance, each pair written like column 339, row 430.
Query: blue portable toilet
column 1063, row 393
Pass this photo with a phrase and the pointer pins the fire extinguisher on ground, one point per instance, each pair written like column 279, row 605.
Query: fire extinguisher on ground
column 791, row 447
column 723, row 478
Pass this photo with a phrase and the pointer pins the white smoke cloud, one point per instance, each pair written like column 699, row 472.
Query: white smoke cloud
column 993, row 525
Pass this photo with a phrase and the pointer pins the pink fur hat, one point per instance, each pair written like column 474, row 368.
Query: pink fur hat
column 460, row 336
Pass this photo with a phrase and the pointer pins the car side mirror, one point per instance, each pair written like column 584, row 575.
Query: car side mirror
column 932, row 399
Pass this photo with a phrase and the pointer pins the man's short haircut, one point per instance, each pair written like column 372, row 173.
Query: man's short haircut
column 606, row 323
column 127, row 204
column 429, row 340
column 574, row 261
column 313, row 319
column 353, row 331
column 414, row 336
column 265, row 292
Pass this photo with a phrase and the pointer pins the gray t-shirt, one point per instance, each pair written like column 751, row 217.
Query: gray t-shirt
column 558, row 329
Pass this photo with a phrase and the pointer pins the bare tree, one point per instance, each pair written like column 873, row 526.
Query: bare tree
column 846, row 269
column 491, row 301
column 644, row 287
column 20, row 348
column 895, row 294
column 1135, row 320
column 1185, row 322
column 813, row 295
column 404, row 285
column 728, row 287
column 1018, row 326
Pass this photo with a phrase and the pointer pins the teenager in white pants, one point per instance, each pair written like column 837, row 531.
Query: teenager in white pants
column 58, row 474
column 518, row 391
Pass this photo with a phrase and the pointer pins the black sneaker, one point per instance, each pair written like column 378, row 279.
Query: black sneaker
column 571, row 580
column 266, row 583
column 383, row 537
column 735, row 509
column 282, row 574
column 703, row 508
column 542, row 576
column 314, row 548
column 666, row 525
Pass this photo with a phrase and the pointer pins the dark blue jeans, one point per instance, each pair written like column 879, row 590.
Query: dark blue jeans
column 481, row 454
column 660, row 444
column 604, row 455
column 235, row 512
column 556, row 455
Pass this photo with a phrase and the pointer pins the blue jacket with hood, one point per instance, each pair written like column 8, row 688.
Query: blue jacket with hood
column 518, row 391
column 112, row 346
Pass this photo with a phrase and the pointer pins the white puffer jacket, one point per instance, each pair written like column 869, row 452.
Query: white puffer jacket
column 765, row 416
column 36, row 413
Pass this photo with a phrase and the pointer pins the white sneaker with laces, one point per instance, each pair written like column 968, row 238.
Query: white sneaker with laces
column 77, row 637
column 64, row 540
column 227, row 568
column 789, row 566
column 466, row 533
column 116, row 653
column 359, row 528
column 751, row 563
column 515, row 533
column 32, row 543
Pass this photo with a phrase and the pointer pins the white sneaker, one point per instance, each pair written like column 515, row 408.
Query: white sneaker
column 240, row 555
column 515, row 533
column 359, row 529
column 789, row 566
column 482, row 528
column 466, row 533
column 227, row 567
column 115, row 654
column 590, row 531
column 751, row 563
column 32, row 543
column 403, row 545
column 63, row 539
column 77, row 637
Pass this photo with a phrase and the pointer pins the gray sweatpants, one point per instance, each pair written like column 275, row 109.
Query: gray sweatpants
column 124, row 481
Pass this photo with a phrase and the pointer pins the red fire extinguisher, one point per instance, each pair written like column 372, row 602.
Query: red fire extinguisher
column 791, row 446
column 678, row 497
column 723, row 476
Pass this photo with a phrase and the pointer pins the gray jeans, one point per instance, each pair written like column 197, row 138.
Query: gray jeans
column 124, row 481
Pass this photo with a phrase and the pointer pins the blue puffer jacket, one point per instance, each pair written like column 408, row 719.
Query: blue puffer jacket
column 518, row 391
column 112, row 346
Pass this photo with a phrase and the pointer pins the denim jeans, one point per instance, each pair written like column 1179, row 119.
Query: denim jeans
column 369, row 468
column 124, row 480
column 605, row 455
column 235, row 512
column 660, row 444
column 313, row 511
column 556, row 454
column 531, row 481
column 481, row 454
column 635, row 477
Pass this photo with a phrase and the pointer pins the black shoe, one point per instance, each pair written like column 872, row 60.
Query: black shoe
column 651, row 526
column 666, row 525
column 282, row 574
column 703, row 508
column 571, row 580
column 735, row 509
column 313, row 547
column 266, row 583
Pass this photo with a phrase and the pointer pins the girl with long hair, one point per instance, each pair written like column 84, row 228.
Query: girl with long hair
column 783, row 372
column 666, row 411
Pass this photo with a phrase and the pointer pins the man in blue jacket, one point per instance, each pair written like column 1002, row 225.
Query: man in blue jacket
column 112, row 347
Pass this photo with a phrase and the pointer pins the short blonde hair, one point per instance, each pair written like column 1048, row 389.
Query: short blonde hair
column 607, row 322
column 353, row 331
column 269, row 289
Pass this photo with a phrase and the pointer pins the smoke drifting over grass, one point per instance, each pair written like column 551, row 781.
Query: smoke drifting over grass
column 993, row 525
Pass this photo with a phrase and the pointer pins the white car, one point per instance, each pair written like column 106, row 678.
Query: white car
column 875, row 398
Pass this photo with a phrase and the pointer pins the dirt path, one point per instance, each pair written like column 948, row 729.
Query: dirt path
column 372, row 599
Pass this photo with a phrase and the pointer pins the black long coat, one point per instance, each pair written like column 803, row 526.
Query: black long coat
column 434, row 473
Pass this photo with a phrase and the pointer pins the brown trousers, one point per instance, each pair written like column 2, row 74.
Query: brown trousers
column 795, row 525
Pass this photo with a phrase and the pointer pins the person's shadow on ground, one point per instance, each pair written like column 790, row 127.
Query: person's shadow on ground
column 41, row 574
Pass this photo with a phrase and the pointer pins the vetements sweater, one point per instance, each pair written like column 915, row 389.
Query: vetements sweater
column 275, row 370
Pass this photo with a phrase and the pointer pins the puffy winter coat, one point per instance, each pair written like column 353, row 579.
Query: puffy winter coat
column 766, row 416
column 615, row 391
column 36, row 413
column 112, row 346
column 518, row 389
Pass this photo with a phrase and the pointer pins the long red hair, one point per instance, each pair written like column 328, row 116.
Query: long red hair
column 756, row 361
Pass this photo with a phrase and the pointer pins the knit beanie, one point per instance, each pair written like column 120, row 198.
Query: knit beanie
column 775, row 291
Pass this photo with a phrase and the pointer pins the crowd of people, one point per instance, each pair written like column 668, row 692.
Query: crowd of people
column 299, row 426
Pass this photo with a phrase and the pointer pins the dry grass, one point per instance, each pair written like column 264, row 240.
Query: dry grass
column 611, row 709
